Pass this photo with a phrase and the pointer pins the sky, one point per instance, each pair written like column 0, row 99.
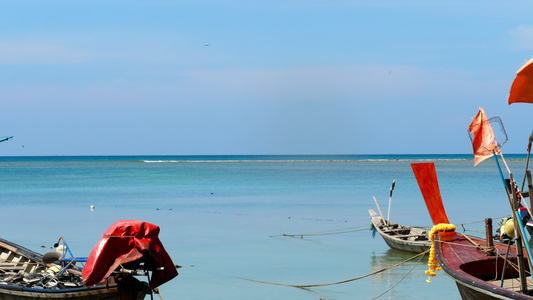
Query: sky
column 208, row 77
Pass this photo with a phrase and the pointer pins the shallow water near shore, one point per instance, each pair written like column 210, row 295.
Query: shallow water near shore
column 243, row 227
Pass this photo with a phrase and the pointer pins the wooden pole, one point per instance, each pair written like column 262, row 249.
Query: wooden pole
column 390, row 200
column 488, row 234
column 379, row 209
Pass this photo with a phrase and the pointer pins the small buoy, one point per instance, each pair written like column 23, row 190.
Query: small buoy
column 92, row 207
column 509, row 228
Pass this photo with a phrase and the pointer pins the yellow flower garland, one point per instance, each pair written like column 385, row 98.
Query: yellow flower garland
column 443, row 229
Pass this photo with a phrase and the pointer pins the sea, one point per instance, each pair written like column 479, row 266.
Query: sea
column 255, row 227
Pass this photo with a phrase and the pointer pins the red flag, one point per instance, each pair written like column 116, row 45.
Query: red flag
column 484, row 142
column 426, row 176
column 522, row 87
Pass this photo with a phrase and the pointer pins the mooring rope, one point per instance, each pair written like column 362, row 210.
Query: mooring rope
column 328, row 232
column 365, row 228
column 338, row 282
column 418, row 261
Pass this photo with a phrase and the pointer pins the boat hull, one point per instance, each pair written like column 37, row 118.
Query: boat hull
column 478, row 275
column 95, row 294
column 400, row 237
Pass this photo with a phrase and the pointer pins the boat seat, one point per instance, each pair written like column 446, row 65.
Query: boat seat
column 418, row 237
column 10, row 266
column 397, row 232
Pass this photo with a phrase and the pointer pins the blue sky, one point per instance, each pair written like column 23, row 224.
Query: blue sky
column 258, row 77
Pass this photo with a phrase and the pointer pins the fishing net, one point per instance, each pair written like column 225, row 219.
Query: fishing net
column 500, row 136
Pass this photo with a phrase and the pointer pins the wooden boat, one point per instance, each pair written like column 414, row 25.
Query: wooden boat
column 478, row 274
column 25, row 274
column 400, row 237
column 482, row 269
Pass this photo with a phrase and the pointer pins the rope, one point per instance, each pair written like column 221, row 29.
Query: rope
column 479, row 247
column 482, row 221
column 379, row 296
column 316, row 234
column 156, row 290
column 486, row 249
column 328, row 232
column 355, row 229
column 338, row 282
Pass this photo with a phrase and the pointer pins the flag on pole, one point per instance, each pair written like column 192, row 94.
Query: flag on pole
column 483, row 142
column 522, row 87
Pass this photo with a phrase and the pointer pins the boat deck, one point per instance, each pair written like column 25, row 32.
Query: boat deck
column 513, row 283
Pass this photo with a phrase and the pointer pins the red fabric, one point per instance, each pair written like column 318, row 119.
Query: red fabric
column 484, row 142
column 426, row 176
column 126, row 241
column 522, row 87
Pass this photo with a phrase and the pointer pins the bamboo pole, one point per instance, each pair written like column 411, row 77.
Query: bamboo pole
column 379, row 209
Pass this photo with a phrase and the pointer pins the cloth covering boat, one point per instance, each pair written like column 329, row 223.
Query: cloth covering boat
column 131, row 245
column 400, row 237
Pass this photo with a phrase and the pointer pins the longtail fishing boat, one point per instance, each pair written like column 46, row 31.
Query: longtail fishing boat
column 128, row 250
column 482, row 268
column 400, row 237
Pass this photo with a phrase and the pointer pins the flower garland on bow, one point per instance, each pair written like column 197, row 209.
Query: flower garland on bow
column 442, row 229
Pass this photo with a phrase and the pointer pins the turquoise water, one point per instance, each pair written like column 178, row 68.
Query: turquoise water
column 223, row 218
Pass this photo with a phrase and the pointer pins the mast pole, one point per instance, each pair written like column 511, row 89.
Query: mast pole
column 520, row 238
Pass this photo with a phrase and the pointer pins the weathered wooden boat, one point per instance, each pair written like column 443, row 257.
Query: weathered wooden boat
column 25, row 274
column 481, row 270
column 400, row 237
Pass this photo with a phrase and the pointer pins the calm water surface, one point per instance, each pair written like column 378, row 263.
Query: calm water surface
column 223, row 218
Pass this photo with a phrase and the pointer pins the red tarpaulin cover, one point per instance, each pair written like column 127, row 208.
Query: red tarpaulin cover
column 126, row 241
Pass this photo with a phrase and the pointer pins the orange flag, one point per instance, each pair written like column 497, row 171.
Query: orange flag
column 484, row 141
column 522, row 87
column 426, row 176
